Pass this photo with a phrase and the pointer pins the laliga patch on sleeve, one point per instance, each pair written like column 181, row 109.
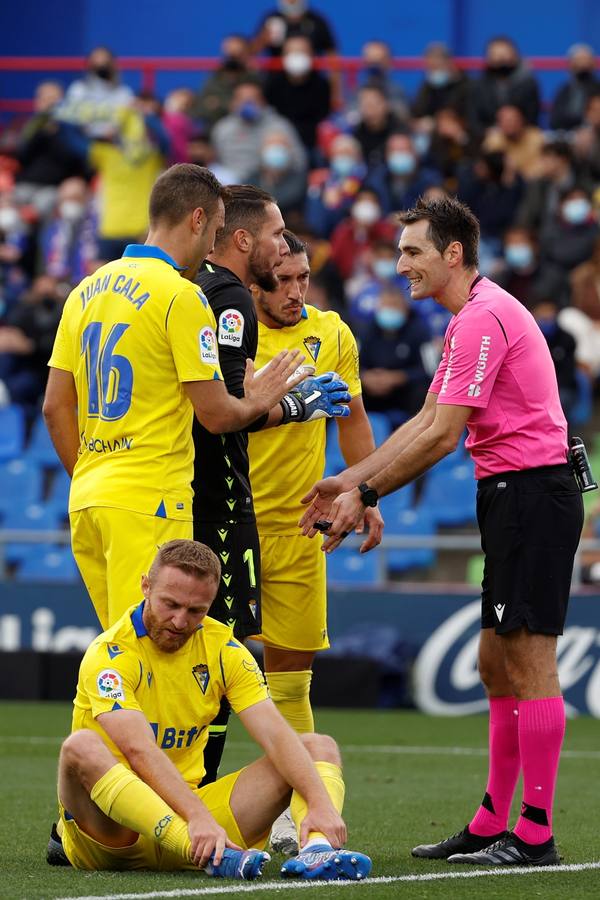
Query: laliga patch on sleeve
column 231, row 328
column 110, row 685
column 208, row 346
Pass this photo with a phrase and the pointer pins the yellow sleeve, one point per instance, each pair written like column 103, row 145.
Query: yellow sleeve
column 98, row 154
column 348, row 366
column 191, row 332
column 244, row 682
column 110, row 674
column 62, row 350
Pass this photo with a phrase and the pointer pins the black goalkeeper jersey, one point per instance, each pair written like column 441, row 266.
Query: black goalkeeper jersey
column 221, row 484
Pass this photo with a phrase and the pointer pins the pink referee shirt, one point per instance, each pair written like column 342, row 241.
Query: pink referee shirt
column 496, row 360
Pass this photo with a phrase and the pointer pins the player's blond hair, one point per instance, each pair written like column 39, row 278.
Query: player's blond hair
column 192, row 557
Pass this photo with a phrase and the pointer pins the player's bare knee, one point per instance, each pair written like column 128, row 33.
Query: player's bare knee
column 79, row 749
column 321, row 747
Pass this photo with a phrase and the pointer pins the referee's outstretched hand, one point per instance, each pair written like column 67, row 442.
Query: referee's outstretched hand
column 274, row 380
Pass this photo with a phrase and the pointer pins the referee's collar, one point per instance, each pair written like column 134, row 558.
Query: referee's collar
column 149, row 251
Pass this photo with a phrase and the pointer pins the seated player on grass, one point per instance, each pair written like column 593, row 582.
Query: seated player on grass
column 129, row 772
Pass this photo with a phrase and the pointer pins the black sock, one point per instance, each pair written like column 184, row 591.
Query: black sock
column 217, row 733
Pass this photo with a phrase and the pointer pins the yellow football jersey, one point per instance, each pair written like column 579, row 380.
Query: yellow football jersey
column 178, row 693
column 131, row 334
column 286, row 461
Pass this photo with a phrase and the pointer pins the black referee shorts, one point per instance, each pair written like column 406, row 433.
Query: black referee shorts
column 530, row 523
column 238, row 599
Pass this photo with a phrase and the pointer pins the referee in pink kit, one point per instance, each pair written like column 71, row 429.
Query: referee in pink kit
column 497, row 378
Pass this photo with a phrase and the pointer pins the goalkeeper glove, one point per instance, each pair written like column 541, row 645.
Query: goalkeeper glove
column 322, row 397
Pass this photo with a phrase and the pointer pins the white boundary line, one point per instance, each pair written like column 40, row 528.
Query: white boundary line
column 238, row 888
column 390, row 750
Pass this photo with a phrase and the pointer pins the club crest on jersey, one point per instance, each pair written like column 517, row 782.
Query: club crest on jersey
column 202, row 676
column 208, row 346
column 313, row 345
column 231, row 328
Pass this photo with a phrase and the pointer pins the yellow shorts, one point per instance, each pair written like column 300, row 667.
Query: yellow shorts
column 113, row 549
column 86, row 853
column 293, row 593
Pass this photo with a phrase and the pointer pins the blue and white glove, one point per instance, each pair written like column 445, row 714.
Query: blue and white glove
column 321, row 397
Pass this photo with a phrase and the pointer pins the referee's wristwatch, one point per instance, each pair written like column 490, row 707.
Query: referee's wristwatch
column 368, row 495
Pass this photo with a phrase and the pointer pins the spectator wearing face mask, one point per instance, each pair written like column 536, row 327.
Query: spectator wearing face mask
column 45, row 160
column 520, row 142
column 299, row 92
column 505, row 81
column 67, row 244
column 14, row 243
column 213, row 100
column 569, row 239
column 444, row 86
column 568, row 108
column 392, row 358
column 277, row 174
column 522, row 275
column 26, row 340
column 352, row 239
column 93, row 102
column 238, row 137
column 450, row 146
column 363, row 291
column 401, row 178
column 332, row 189
column 562, row 348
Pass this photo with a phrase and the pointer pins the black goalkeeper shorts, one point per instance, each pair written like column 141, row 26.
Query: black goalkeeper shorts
column 238, row 600
column 530, row 523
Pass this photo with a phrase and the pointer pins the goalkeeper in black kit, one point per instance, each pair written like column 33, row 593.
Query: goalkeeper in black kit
column 247, row 251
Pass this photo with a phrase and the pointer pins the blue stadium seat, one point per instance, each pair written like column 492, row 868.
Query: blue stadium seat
column 58, row 497
column 21, row 483
column 347, row 566
column 449, row 495
column 31, row 517
column 40, row 447
column 334, row 461
column 403, row 521
column 397, row 502
column 49, row 563
column 12, row 432
column 381, row 427
column 582, row 410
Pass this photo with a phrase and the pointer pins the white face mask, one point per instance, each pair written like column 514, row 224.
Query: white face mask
column 365, row 212
column 9, row 218
column 71, row 210
column 297, row 63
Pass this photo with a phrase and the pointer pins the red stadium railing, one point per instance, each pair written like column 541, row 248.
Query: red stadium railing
column 150, row 66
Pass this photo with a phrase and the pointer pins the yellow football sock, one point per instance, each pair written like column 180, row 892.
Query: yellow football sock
column 331, row 776
column 290, row 692
column 126, row 799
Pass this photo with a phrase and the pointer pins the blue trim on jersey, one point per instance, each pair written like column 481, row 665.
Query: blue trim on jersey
column 232, row 644
column 148, row 251
column 304, row 313
column 116, row 706
column 138, row 622
column 161, row 512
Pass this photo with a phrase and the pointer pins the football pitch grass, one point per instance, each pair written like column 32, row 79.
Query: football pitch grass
column 410, row 779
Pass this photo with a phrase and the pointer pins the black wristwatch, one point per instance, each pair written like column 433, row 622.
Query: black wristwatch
column 368, row 495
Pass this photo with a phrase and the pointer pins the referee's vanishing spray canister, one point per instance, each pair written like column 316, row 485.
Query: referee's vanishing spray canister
column 581, row 466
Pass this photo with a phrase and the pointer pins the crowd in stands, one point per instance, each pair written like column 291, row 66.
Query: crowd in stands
column 75, row 177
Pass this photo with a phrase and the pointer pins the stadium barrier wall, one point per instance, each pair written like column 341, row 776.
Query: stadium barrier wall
column 393, row 647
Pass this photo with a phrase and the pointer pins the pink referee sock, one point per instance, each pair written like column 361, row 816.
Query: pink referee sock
column 541, row 732
column 492, row 815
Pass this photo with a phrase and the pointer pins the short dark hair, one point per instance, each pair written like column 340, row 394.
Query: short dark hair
column 449, row 220
column 192, row 557
column 181, row 189
column 294, row 243
column 245, row 207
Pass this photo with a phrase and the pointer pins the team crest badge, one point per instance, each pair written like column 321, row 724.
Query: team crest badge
column 202, row 676
column 313, row 345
